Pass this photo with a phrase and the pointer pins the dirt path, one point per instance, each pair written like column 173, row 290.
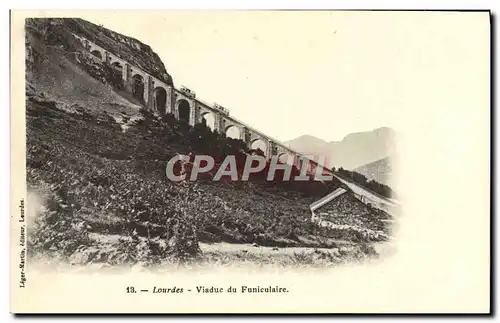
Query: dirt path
column 225, row 247
column 251, row 255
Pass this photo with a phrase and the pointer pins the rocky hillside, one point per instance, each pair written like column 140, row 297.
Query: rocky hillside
column 380, row 170
column 346, row 210
column 127, row 48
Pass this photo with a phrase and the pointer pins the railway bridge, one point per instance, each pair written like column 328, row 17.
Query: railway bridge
column 162, row 98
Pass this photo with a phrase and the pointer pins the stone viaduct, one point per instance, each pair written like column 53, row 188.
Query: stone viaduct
column 162, row 99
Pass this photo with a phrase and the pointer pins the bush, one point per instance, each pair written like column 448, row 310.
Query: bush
column 372, row 185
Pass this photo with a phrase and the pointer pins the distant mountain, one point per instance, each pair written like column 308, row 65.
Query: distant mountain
column 379, row 170
column 307, row 144
column 355, row 150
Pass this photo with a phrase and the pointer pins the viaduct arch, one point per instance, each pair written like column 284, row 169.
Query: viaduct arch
column 183, row 111
column 159, row 99
column 208, row 119
column 97, row 54
column 233, row 131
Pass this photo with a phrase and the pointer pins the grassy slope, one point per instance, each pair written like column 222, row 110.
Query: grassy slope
column 96, row 179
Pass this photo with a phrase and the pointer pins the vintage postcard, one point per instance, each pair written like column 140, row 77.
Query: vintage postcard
column 250, row 162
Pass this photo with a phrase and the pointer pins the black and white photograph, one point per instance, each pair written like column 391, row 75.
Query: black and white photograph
column 104, row 117
column 164, row 143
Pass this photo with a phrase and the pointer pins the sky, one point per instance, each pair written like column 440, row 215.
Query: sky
column 286, row 73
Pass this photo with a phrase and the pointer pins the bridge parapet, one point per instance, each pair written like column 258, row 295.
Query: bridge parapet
column 187, row 92
column 220, row 108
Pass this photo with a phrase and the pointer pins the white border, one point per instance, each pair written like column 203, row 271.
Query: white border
column 186, row 4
